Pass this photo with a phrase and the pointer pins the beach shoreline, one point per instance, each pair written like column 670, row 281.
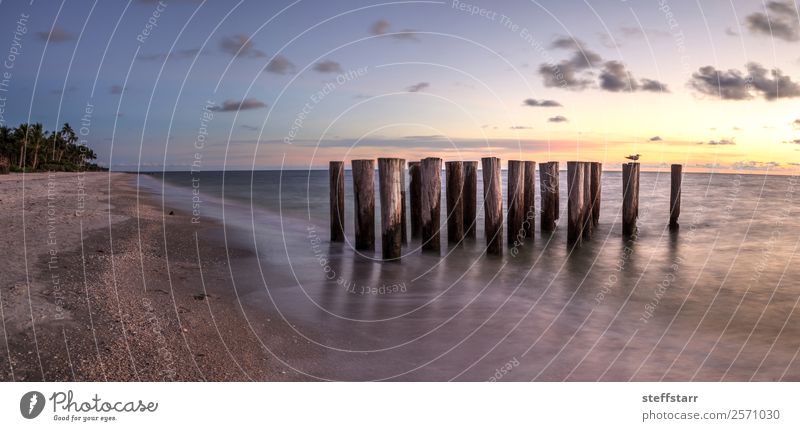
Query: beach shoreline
column 103, row 284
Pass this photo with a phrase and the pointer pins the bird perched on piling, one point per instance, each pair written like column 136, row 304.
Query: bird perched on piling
column 633, row 157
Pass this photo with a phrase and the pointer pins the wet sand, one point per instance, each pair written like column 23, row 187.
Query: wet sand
column 100, row 283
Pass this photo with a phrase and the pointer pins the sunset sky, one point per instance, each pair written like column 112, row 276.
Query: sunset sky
column 712, row 84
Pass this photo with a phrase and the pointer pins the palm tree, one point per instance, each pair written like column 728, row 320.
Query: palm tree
column 21, row 137
column 37, row 137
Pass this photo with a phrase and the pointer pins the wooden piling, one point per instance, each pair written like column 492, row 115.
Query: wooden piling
column 403, row 209
column 596, row 191
column 364, row 205
column 455, row 202
column 529, row 217
column 470, row 198
column 575, row 192
column 548, row 180
column 675, row 196
column 492, row 205
column 516, row 200
column 431, row 194
column 630, row 197
column 415, row 199
column 336, row 175
column 389, row 174
column 586, row 215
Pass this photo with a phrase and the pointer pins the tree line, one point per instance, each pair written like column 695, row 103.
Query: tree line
column 31, row 148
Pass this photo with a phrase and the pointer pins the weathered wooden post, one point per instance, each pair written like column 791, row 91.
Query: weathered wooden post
column 588, row 225
column 675, row 196
column 574, row 203
column 431, row 194
column 597, row 191
column 364, row 203
column 516, row 200
column 530, row 200
column 336, row 176
column 470, row 197
column 455, row 202
column 492, row 205
column 630, row 197
column 389, row 174
column 403, row 209
column 414, row 195
column 548, row 180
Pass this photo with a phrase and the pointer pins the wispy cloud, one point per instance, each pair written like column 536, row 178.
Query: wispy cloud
column 237, row 105
column 328, row 66
column 174, row 55
column 557, row 119
column 56, row 35
column 382, row 27
column 116, row 89
column 240, row 46
column 655, row 139
column 718, row 142
column 279, row 65
column 755, row 166
column 541, row 103
column 423, row 137
column 418, row 87
column 520, row 127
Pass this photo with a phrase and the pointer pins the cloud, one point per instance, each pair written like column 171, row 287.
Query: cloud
column 780, row 21
column 653, row 85
column 249, row 127
column 796, row 123
column 520, row 127
column 541, row 103
column 71, row 89
column 116, row 89
column 240, row 46
column 557, row 119
column 631, row 32
column 570, row 73
column 655, row 139
column 734, row 85
column 564, row 42
column 424, row 137
column 719, row 142
column 615, row 78
column 755, row 166
column 793, row 141
column 573, row 73
column 328, row 66
column 381, row 27
column 236, row 105
column 174, row 55
column 418, row 87
column 731, row 32
column 772, row 83
column 279, row 65
column 56, row 35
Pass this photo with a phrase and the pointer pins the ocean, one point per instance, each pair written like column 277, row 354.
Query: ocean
column 715, row 300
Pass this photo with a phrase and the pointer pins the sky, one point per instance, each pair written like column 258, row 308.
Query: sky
column 714, row 85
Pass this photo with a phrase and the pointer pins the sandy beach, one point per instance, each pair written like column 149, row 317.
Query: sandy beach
column 100, row 283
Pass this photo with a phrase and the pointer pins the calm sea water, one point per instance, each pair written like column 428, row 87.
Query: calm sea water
column 717, row 300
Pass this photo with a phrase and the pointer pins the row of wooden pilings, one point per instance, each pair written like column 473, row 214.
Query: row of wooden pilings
column 584, row 189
